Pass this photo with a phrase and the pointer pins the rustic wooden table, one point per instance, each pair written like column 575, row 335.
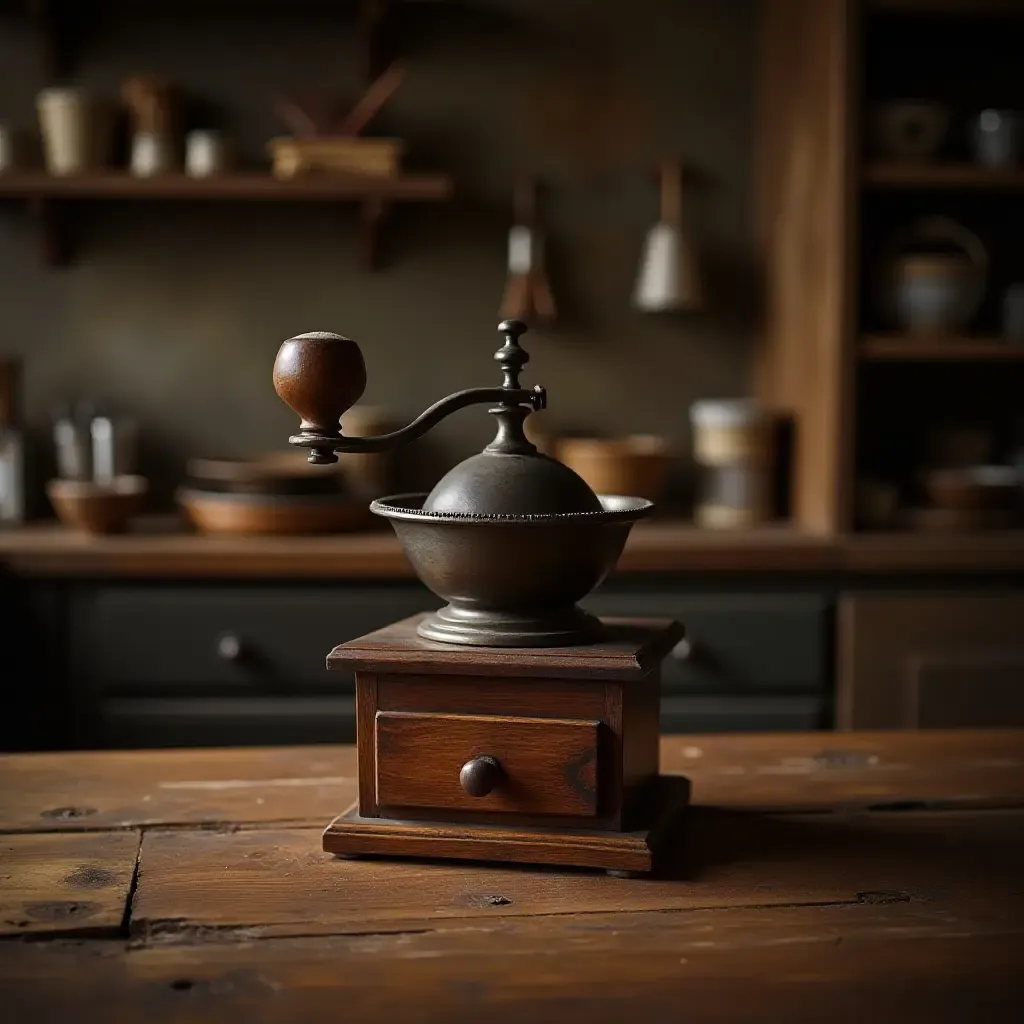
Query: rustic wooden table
column 826, row 877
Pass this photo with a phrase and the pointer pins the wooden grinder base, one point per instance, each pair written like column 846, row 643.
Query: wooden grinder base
column 538, row 756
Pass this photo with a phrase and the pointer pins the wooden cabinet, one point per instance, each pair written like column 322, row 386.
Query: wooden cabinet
column 181, row 665
column 750, row 661
column 931, row 660
column 164, row 664
column 234, row 639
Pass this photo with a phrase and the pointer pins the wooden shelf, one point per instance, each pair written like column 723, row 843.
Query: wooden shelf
column 942, row 175
column 902, row 348
column 160, row 547
column 255, row 186
column 45, row 195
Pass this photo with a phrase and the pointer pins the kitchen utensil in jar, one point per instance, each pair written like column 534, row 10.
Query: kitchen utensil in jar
column 527, row 291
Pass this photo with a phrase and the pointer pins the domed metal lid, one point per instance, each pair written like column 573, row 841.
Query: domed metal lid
column 493, row 483
column 510, row 477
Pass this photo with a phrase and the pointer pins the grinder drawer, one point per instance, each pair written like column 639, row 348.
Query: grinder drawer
column 487, row 763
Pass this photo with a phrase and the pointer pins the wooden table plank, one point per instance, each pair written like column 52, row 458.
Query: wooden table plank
column 941, row 768
column 76, row 884
column 278, row 882
column 881, row 963
column 310, row 785
column 124, row 789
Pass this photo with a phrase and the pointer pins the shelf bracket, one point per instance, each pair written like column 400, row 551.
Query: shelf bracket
column 374, row 213
column 54, row 237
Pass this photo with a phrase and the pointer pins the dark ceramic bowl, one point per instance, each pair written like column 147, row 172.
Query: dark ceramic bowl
column 512, row 580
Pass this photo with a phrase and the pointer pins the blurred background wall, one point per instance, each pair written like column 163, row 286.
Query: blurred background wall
column 173, row 312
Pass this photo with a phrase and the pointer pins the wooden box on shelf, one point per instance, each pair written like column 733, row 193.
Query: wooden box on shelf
column 293, row 157
column 540, row 755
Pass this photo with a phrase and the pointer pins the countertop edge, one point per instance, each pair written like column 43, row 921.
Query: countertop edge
column 657, row 549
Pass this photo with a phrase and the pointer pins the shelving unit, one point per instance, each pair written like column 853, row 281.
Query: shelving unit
column 61, row 31
column 826, row 361
column 46, row 197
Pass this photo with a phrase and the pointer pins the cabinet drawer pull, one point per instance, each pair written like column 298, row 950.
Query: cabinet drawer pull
column 480, row 775
column 230, row 648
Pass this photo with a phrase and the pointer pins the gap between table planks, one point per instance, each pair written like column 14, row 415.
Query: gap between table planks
column 71, row 884
column 308, row 786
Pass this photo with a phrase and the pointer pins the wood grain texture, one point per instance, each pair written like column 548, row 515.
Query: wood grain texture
column 629, row 649
column 66, row 884
column 65, row 792
column 920, row 659
column 548, row 765
column 367, row 691
column 639, row 732
column 311, row 785
column 897, row 915
column 535, row 698
column 806, row 200
column 278, row 882
column 885, row 963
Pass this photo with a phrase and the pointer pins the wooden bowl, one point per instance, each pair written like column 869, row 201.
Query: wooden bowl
column 638, row 466
column 276, row 473
column 973, row 487
column 98, row 508
column 213, row 512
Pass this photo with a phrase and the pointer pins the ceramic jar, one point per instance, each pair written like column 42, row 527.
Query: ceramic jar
column 996, row 137
column 205, row 154
column 732, row 450
column 938, row 277
column 74, row 131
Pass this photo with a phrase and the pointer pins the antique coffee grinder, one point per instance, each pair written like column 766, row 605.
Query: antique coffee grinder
column 510, row 725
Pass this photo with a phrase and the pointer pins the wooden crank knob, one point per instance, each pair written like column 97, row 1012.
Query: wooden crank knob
column 320, row 376
column 480, row 775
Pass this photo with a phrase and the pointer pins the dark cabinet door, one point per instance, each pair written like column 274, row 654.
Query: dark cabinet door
column 931, row 661
column 220, row 664
column 749, row 661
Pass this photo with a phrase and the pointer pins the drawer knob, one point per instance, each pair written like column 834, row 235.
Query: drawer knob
column 229, row 648
column 480, row 775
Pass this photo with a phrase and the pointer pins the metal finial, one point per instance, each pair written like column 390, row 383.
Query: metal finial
column 511, row 357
